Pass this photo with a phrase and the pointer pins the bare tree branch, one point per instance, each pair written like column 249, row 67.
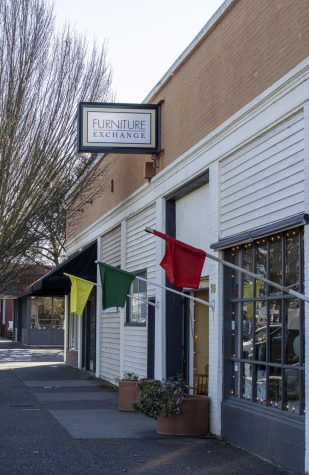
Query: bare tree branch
column 43, row 76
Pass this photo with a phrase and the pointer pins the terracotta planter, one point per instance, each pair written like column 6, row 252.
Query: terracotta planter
column 192, row 422
column 127, row 393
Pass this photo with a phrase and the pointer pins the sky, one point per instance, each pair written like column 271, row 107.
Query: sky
column 144, row 37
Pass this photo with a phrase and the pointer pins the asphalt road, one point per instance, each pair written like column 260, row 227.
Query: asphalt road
column 55, row 419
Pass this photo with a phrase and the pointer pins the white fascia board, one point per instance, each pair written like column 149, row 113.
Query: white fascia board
column 283, row 98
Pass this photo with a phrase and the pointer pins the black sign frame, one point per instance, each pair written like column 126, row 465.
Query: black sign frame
column 155, row 120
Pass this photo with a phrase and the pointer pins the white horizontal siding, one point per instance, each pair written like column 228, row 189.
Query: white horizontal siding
column 141, row 254
column 141, row 247
column 192, row 220
column 264, row 181
column 110, row 328
column 135, row 350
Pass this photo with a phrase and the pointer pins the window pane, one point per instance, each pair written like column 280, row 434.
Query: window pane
column 261, row 384
column 137, row 303
column 292, row 274
column 292, row 345
column 260, row 315
column 275, row 387
column 247, row 330
column 275, row 331
column 261, row 267
column 260, row 331
column 260, row 344
column 235, row 379
column 275, row 262
column 247, row 381
column 58, row 312
column 234, row 330
column 292, row 392
column 47, row 312
column 247, row 263
column 234, row 257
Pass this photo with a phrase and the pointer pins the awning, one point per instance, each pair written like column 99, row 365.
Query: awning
column 251, row 235
column 81, row 264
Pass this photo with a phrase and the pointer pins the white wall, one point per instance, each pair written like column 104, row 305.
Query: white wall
column 110, row 320
column 263, row 182
column 192, row 219
column 140, row 254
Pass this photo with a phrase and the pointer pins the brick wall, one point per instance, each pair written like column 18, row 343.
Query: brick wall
column 254, row 44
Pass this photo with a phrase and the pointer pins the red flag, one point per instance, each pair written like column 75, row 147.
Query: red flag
column 182, row 263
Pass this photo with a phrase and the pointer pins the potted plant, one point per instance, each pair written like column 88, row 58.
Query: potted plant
column 177, row 412
column 127, row 391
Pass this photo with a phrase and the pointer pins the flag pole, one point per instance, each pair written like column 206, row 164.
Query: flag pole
column 142, row 300
column 128, row 295
column 195, row 299
column 252, row 274
column 203, row 302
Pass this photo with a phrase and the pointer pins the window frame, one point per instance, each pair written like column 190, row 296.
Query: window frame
column 235, row 361
column 129, row 301
column 36, row 317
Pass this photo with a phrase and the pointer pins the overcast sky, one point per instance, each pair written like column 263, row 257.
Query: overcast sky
column 144, row 37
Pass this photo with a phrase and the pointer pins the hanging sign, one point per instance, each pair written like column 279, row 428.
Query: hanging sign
column 118, row 128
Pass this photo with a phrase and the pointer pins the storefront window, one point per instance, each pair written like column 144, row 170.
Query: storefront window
column 47, row 313
column 266, row 342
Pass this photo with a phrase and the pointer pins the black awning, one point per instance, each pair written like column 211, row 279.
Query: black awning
column 81, row 264
column 251, row 235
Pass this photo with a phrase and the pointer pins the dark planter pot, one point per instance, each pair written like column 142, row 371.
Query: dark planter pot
column 127, row 393
column 193, row 421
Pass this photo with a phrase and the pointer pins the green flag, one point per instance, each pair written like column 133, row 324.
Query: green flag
column 115, row 285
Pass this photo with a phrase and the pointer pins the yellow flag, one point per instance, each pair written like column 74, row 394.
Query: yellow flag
column 80, row 291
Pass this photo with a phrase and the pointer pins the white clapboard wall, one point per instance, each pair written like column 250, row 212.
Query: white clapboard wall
column 263, row 182
column 141, row 254
column 110, row 328
column 192, row 219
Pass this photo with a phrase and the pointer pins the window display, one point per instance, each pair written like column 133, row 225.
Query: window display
column 266, row 326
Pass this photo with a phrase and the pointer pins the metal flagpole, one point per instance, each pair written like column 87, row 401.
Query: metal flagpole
column 203, row 302
column 128, row 295
column 253, row 275
column 142, row 300
column 259, row 277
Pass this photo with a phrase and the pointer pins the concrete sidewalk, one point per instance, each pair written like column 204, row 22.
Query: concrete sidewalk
column 58, row 420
